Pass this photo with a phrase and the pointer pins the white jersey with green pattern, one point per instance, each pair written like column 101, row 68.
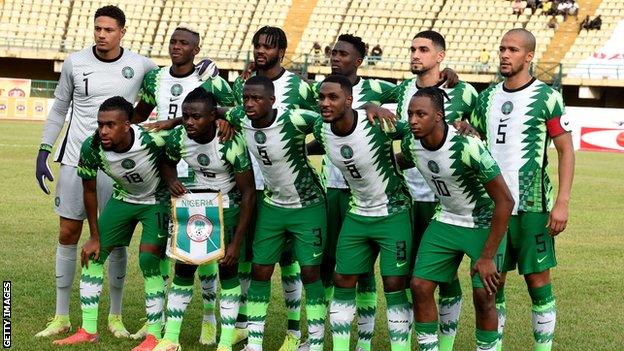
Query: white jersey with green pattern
column 214, row 163
column 518, row 126
column 364, row 91
column 291, row 92
column 365, row 159
column 457, row 169
column 135, row 172
column 279, row 149
column 166, row 91
column 462, row 99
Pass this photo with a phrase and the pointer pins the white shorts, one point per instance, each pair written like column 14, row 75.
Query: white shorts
column 68, row 202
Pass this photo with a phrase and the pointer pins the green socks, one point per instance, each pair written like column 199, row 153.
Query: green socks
column 208, row 281
column 427, row 336
column 244, row 276
column 366, row 306
column 257, row 304
column 178, row 299
column 501, row 311
column 398, row 313
column 292, row 285
column 316, row 309
column 544, row 312
column 230, row 299
column 341, row 314
column 449, row 309
column 486, row 340
column 91, row 281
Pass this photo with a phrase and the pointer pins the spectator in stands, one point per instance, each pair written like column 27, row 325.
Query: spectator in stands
column 573, row 10
column 562, row 9
column 596, row 23
column 552, row 23
column 584, row 24
column 484, row 59
column 547, row 8
column 517, row 8
column 375, row 55
column 532, row 4
column 328, row 51
column 316, row 52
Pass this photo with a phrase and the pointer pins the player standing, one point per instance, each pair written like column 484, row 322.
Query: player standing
column 88, row 77
column 291, row 91
column 217, row 166
column 378, row 218
column 518, row 118
column 130, row 156
column 165, row 88
column 475, row 206
column 292, row 206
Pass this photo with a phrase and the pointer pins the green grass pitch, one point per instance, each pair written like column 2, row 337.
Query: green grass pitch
column 588, row 282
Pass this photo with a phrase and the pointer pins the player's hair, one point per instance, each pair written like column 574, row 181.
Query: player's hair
column 529, row 38
column 274, row 36
column 200, row 94
column 436, row 95
column 112, row 11
column 265, row 82
column 117, row 103
column 436, row 38
column 344, row 82
column 357, row 43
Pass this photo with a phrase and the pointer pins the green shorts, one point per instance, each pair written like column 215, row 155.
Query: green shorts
column 422, row 213
column 361, row 238
column 443, row 247
column 529, row 245
column 337, row 206
column 119, row 219
column 306, row 227
column 230, row 222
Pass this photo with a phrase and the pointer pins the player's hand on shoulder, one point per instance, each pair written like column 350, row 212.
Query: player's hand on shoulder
column 385, row 116
column 91, row 249
column 160, row 125
column 206, row 69
column 225, row 130
column 450, row 77
column 42, row 170
column 464, row 128
column 248, row 70
column 488, row 273
column 557, row 219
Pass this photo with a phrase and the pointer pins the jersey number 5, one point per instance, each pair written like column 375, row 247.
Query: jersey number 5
column 500, row 138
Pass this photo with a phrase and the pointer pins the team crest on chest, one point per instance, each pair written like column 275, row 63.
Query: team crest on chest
column 176, row 90
column 199, row 228
column 260, row 137
column 346, row 151
column 433, row 166
column 507, row 107
column 127, row 72
column 128, row 163
column 203, row 160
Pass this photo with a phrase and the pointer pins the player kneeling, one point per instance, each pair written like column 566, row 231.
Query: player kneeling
column 130, row 156
column 475, row 206
column 218, row 167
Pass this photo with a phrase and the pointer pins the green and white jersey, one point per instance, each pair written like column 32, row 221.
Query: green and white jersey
column 214, row 164
column 279, row 149
column 135, row 172
column 364, row 91
column 462, row 99
column 166, row 91
column 518, row 126
column 86, row 81
column 457, row 170
column 291, row 92
column 365, row 159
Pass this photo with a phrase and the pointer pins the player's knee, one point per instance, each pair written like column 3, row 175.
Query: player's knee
column 421, row 289
column 483, row 302
column 149, row 263
column 262, row 272
column 345, row 281
column 537, row 280
column 69, row 234
column 228, row 272
column 310, row 274
column 185, row 270
column 392, row 284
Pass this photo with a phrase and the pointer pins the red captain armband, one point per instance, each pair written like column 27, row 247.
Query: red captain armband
column 554, row 128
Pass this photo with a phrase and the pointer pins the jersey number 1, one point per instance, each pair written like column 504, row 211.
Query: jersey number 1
column 86, row 81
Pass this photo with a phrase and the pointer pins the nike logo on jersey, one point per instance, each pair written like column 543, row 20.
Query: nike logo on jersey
column 503, row 120
column 162, row 236
column 174, row 99
column 86, row 73
column 539, row 260
column 315, row 255
column 399, row 265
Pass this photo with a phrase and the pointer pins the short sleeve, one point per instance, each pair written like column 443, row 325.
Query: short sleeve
column 400, row 131
column 236, row 154
column 304, row 120
column 173, row 145
column 147, row 93
column 89, row 160
column 307, row 97
column 555, row 109
column 235, row 117
column 387, row 90
column 221, row 90
column 476, row 157
column 317, row 132
column 237, row 91
column 407, row 149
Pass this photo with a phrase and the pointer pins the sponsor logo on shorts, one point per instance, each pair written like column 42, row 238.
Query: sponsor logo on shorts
column 346, row 151
column 400, row 264
column 540, row 260
column 507, row 108
column 128, row 163
column 317, row 254
column 127, row 72
column 433, row 166
column 176, row 90
column 260, row 137
column 199, row 228
column 203, row 160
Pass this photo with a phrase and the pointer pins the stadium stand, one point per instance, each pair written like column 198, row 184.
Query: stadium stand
column 34, row 24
